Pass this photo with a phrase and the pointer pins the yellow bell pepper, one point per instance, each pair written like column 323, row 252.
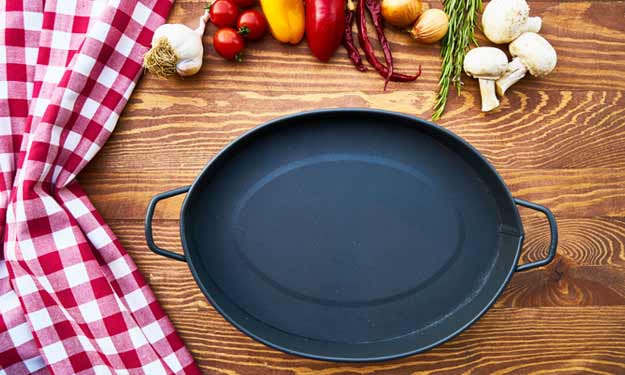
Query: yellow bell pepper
column 285, row 18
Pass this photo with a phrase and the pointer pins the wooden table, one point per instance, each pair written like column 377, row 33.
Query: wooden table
column 558, row 141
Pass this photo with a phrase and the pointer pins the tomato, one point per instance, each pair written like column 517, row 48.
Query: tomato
column 224, row 13
column 228, row 43
column 245, row 3
column 252, row 24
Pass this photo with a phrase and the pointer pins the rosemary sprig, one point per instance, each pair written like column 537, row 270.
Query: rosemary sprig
column 462, row 20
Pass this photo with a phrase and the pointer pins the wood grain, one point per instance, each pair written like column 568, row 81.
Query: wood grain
column 558, row 141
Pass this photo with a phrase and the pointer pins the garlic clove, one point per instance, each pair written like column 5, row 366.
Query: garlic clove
column 431, row 26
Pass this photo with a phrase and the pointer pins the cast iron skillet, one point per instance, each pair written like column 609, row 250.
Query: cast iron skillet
column 351, row 234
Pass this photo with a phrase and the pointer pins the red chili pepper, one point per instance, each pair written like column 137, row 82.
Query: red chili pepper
column 375, row 10
column 348, row 41
column 365, row 43
column 324, row 26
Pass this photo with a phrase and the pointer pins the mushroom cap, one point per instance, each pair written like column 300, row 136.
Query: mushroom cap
column 485, row 63
column 504, row 20
column 535, row 52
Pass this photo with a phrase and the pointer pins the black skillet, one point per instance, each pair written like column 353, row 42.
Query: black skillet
column 351, row 234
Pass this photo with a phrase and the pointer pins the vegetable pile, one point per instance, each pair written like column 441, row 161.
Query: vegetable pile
column 178, row 49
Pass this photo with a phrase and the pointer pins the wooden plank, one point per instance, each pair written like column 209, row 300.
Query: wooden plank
column 559, row 141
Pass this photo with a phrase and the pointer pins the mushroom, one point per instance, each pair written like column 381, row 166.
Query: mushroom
column 486, row 64
column 504, row 20
column 531, row 52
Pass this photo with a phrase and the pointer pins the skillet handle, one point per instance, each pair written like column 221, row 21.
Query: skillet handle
column 149, row 238
column 554, row 235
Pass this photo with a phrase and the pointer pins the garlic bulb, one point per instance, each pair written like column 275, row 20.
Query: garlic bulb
column 431, row 26
column 401, row 13
column 176, row 48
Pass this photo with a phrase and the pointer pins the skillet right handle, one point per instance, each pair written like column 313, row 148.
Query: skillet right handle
column 554, row 235
column 149, row 238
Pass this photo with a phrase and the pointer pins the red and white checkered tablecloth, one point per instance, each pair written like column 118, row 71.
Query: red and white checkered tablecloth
column 71, row 299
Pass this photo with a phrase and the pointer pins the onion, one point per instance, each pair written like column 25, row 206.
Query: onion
column 401, row 13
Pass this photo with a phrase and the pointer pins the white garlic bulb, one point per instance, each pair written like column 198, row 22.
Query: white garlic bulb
column 176, row 48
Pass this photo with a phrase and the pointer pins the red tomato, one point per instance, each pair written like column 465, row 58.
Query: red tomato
column 228, row 43
column 252, row 24
column 245, row 3
column 224, row 13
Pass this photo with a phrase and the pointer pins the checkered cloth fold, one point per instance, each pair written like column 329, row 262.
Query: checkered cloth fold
column 71, row 299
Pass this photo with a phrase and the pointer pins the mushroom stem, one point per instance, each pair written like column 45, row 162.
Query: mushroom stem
column 533, row 24
column 514, row 72
column 487, row 91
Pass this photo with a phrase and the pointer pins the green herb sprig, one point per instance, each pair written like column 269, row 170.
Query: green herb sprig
column 462, row 21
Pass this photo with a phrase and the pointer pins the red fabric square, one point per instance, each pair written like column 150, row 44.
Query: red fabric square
column 16, row 72
column 51, row 262
column 112, row 99
column 18, row 107
column 14, row 37
column 80, row 362
column 130, row 359
column 67, row 297
column 80, row 25
column 39, row 227
column 115, row 324
column 64, row 329
column 101, row 287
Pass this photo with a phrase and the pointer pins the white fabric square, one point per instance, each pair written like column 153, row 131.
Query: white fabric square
column 4, row 89
column 92, row 151
column 41, row 104
column 33, row 21
column 64, row 238
column 100, row 31
column 27, row 249
column 106, row 345
column 76, row 274
column 8, row 301
column 119, row 267
column 40, row 319
column 137, row 338
column 101, row 370
column 31, row 54
column 154, row 368
column 153, row 332
column 57, row 171
column 86, row 343
column 61, row 39
column 141, row 13
column 55, row 352
column 5, row 125
column 107, row 76
column 20, row 334
column 76, row 207
column 53, row 74
column 69, row 99
column 3, row 51
column 3, row 270
column 124, row 45
column 121, row 371
column 45, row 284
column 51, row 205
column 136, row 300
column 25, row 285
column 72, row 140
column 173, row 362
column 111, row 122
column 66, row 7
column 99, row 238
column 84, row 64
column 35, row 363
column 55, row 135
column 90, row 311
column 89, row 108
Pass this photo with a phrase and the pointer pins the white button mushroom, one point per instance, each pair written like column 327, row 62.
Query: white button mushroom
column 531, row 52
column 504, row 20
column 486, row 64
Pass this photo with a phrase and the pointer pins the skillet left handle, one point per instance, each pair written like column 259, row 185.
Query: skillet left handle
column 149, row 238
column 554, row 235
